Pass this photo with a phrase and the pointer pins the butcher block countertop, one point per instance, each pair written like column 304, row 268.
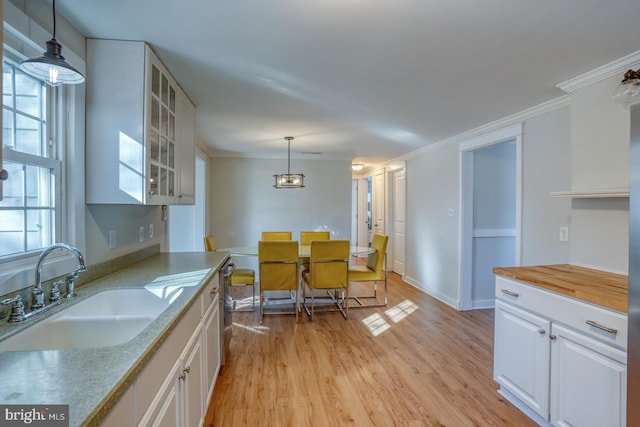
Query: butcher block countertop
column 598, row 287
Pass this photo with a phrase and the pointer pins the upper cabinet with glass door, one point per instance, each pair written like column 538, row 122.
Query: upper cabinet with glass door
column 132, row 132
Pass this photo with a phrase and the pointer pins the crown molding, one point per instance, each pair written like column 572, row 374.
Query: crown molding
column 617, row 67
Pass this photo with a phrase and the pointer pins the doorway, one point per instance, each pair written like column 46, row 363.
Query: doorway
column 490, row 212
column 187, row 222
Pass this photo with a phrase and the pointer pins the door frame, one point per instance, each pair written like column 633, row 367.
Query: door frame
column 390, row 196
column 465, row 256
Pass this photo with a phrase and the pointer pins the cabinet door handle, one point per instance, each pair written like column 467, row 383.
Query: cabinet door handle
column 511, row 294
column 601, row 327
column 542, row 331
column 186, row 370
column 552, row 337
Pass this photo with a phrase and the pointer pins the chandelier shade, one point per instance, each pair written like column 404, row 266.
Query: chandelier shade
column 289, row 180
column 51, row 66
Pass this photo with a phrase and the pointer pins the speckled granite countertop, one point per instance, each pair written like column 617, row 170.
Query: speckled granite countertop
column 91, row 380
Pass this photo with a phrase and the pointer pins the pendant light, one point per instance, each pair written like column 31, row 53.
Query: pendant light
column 289, row 180
column 51, row 66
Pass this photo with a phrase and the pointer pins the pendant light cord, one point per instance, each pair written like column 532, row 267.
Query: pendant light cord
column 289, row 158
column 54, row 19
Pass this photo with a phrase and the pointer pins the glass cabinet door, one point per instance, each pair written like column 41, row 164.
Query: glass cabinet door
column 162, row 136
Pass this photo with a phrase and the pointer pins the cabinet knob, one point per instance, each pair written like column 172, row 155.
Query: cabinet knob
column 4, row 175
column 552, row 337
column 542, row 331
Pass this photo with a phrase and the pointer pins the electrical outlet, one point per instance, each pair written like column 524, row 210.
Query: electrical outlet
column 563, row 236
column 141, row 234
column 150, row 231
column 112, row 238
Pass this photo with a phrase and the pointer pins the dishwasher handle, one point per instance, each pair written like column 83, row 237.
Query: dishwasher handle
column 229, row 269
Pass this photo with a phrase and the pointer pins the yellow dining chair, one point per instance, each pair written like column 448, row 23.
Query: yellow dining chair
column 375, row 271
column 276, row 235
column 278, row 262
column 328, row 270
column 240, row 276
column 306, row 237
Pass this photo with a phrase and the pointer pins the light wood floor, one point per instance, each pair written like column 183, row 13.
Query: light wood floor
column 416, row 362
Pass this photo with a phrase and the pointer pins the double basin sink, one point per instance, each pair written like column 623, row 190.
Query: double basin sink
column 108, row 318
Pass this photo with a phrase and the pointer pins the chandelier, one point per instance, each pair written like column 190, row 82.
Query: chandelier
column 289, row 180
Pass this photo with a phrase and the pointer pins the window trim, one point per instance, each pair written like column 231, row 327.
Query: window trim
column 21, row 36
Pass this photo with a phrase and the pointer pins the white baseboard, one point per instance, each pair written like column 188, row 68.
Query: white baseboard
column 482, row 304
column 433, row 293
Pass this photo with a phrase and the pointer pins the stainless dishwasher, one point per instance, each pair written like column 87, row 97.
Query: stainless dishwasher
column 224, row 293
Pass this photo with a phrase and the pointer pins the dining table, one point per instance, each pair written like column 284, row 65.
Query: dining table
column 303, row 250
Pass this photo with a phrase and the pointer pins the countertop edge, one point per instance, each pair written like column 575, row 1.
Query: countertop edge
column 608, row 290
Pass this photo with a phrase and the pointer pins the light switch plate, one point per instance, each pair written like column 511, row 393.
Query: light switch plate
column 141, row 234
column 563, row 235
column 150, row 231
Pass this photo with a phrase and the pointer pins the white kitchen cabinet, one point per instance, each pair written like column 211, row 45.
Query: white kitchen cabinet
column 165, row 409
column 132, row 137
column 521, row 355
column 193, row 378
column 175, row 387
column 212, row 356
column 180, row 400
column 588, row 381
column 186, row 128
column 562, row 361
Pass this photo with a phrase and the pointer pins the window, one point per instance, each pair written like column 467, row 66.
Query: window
column 29, row 210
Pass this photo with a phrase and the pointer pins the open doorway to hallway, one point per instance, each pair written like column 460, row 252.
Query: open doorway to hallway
column 187, row 223
column 490, row 212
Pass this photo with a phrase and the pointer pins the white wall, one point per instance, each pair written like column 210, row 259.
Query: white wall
column 126, row 220
column 546, row 153
column 432, row 187
column 600, row 160
column 244, row 202
column 432, row 236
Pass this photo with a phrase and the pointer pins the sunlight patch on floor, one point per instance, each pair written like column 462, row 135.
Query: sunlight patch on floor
column 401, row 310
column 376, row 324
column 256, row 329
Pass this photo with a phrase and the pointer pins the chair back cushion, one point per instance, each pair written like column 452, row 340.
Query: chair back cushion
column 329, row 263
column 306, row 237
column 375, row 261
column 210, row 243
column 276, row 235
column 278, row 260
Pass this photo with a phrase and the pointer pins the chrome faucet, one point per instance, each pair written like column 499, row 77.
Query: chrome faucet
column 38, row 293
column 17, row 307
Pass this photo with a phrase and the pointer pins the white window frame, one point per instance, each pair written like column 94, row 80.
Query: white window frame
column 24, row 38
column 52, row 159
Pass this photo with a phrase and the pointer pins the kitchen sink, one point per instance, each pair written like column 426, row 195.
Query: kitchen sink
column 105, row 319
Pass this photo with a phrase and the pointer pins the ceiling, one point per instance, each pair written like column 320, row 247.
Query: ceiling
column 368, row 80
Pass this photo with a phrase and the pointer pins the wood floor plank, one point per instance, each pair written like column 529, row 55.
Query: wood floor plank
column 416, row 362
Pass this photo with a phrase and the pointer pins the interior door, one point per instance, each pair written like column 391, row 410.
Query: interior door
column 378, row 203
column 398, row 215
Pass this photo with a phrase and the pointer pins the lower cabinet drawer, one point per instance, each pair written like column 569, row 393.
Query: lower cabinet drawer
column 600, row 323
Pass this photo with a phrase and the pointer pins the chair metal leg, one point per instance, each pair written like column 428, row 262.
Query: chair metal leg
column 260, row 309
